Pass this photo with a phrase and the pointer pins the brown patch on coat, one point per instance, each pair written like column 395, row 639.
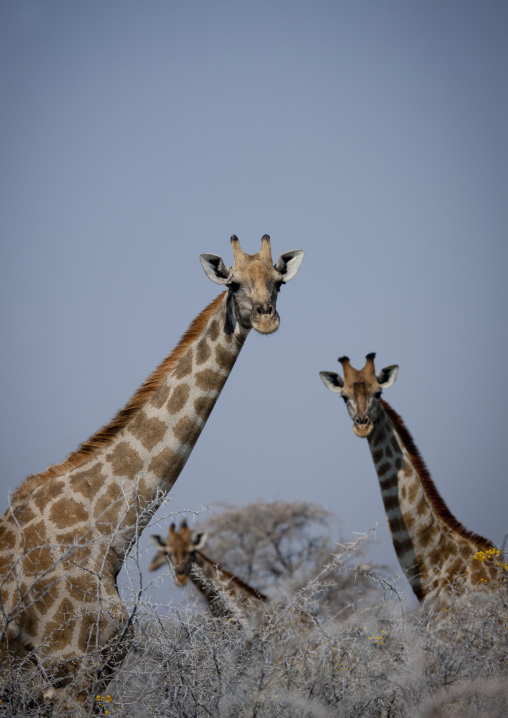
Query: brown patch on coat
column 426, row 533
column 88, row 482
column 47, row 493
column 88, row 631
column 108, row 507
column 23, row 515
column 30, row 621
column 435, row 557
column 67, row 512
column 46, row 593
column 124, row 460
column 203, row 406
column 68, row 539
column 184, row 366
column 83, row 587
column 38, row 558
column 79, row 555
column 58, row 633
column 210, row 380
column 167, row 462
column 105, row 435
column 213, row 330
column 178, row 398
column 148, row 431
column 6, row 564
column 186, row 431
column 203, row 351
column 35, row 534
column 224, row 358
column 409, row 520
column 413, row 488
column 160, row 396
column 7, row 536
column 422, row 507
column 457, row 568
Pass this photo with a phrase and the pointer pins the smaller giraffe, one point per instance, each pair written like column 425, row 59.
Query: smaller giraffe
column 182, row 550
column 437, row 554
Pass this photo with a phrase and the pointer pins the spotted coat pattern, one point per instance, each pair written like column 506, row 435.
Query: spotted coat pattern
column 68, row 529
column 71, row 529
column 435, row 551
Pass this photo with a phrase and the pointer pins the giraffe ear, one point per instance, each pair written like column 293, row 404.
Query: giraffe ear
column 214, row 267
column 160, row 559
column 199, row 539
column 158, row 542
column 289, row 263
column 387, row 376
column 332, row 381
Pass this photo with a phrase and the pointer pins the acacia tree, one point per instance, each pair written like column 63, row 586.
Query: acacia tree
column 280, row 547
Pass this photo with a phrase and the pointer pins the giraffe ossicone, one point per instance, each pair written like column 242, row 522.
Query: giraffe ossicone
column 68, row 529
column 437, row 553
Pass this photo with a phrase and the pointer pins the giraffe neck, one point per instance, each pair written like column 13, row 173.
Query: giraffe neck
column 117, row 479
column 214, row 573
column 434, row 550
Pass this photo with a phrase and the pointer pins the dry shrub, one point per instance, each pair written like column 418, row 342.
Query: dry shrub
column 301, row 658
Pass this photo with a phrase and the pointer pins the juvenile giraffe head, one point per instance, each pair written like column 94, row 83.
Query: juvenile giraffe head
column 179, row 549
column 253, row 283
column 361, row 389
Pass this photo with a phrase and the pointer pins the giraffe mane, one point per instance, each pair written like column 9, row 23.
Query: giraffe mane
column 433, row 494
column 232, row 577
column 106, row 434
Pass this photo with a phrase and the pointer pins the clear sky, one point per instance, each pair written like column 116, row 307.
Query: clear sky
column 136, row 135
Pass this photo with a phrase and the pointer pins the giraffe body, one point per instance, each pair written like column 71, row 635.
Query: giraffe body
column 68, row 529
column 182, row 549
column 437, row 554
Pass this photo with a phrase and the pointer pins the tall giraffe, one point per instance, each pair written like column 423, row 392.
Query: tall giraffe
column 182, row 549
column 436, row 553
column 68, row 529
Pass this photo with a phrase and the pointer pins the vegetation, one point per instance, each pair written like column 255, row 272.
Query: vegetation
column 306, row 653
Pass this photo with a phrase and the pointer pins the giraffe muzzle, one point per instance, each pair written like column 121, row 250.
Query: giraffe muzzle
column 362, row 426
column 180, row 578
column 264, row 318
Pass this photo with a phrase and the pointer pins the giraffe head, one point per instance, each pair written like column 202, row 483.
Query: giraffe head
column 361, row 390
column 179, row 549
column 253, row 283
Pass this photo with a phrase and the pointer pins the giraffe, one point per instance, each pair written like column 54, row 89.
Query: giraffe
column 437, row 554
column 69, row 528
column 182, row 550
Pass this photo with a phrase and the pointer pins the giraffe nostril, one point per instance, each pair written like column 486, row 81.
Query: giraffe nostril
column 264, row 309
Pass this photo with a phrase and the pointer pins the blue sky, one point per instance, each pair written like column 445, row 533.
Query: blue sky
column 135, row 136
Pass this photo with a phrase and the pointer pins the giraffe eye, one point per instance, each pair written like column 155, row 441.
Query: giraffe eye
column 278, row 285
column 377, row 395
column 344, row 399
column 233, row 286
